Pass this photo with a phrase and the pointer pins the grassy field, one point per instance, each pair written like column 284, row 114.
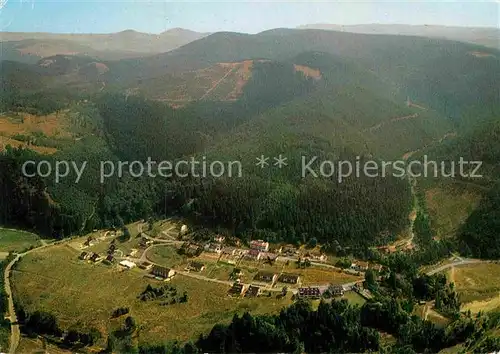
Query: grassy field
column 354, row 298
column 478, row 285
column 77, row 292
column 167, row 256
column 36, row 346
column 17, row 241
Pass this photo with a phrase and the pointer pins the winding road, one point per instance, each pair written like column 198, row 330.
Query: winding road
column 458, row 262
column 15, row 333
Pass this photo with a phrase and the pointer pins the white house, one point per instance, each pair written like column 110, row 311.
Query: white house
column 127, row 264
column 259, row 245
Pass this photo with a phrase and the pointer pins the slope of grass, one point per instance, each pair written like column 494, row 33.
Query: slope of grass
column 55, row 280
column 16, row 240
column 449, row 205
column 477, row 282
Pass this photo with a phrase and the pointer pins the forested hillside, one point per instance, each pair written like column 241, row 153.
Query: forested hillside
column 353, row 107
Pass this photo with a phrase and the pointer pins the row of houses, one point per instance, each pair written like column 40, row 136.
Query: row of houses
column 238, row 289
column 90, row 256
column 362, row 266
column 316, row 293
column 259, row 249
column 195, row 266
column 269, row 277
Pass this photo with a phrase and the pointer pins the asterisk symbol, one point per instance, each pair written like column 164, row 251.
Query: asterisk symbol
column 280, row 161
column 262, row 161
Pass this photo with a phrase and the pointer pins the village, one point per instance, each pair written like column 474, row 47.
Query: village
column 259, row 269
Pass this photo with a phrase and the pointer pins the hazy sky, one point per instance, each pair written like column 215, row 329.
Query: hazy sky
column 243, row 16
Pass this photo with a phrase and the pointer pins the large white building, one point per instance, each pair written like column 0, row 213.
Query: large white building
column 127, row 264
column 259, row 245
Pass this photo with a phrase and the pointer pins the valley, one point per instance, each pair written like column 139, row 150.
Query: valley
column 274, row 259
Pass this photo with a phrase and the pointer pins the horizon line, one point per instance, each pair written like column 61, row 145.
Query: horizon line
column 299, row 27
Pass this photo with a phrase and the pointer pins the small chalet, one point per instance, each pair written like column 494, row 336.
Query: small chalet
column 336, row 290
column 110, row 259
column 191, row 249
column 196, row 266
column 388, row 249
column 360, row 266
column 376, row 267
column 311, row 293
column 266, row 277
column 219, row 238
column 112, row 248
column 144, row 243
column 231, row 251
column 289, row 250
column 254, row 254
column 95, row 257
column 163, row 272
column 89, row 242
column 289, row 278
column 269, row 256
column 213, row 247
column 84, row 256
column 252, row 291
column 259, row 245
column 236, row 290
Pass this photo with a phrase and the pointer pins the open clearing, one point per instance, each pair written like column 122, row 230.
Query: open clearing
column 55, row 280
column 19, row 128
column 449, row 207
column 24, row 123
column 36, row 346
column 354, row 298
column 16, row 241
column 478, row 285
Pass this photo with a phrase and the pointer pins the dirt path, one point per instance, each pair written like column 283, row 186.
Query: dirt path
column 452, row 275
column 397, row 119
column 407, row 155
column 457, row 263
column 15, row 333
column 214, row 86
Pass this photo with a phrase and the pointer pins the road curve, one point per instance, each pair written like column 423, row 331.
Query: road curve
column 457, row 263
column 15, row 333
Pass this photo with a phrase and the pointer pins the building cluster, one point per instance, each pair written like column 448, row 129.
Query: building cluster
column 270, row 277
column 90, row 256
column 239, row 289
column 362, row 266
column 92, row 240
column 195, row 266
column 259, row 250
column 145, row 242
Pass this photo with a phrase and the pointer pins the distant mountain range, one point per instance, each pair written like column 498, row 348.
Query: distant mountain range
column 489, row 37
column 30, row 47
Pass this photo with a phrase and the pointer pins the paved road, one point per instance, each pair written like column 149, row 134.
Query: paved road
column 458, row 262
column 15, row 333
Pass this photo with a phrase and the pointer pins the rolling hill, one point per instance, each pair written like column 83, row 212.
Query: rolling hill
column 31, row 47
column 487, row 37
column 238, row 96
